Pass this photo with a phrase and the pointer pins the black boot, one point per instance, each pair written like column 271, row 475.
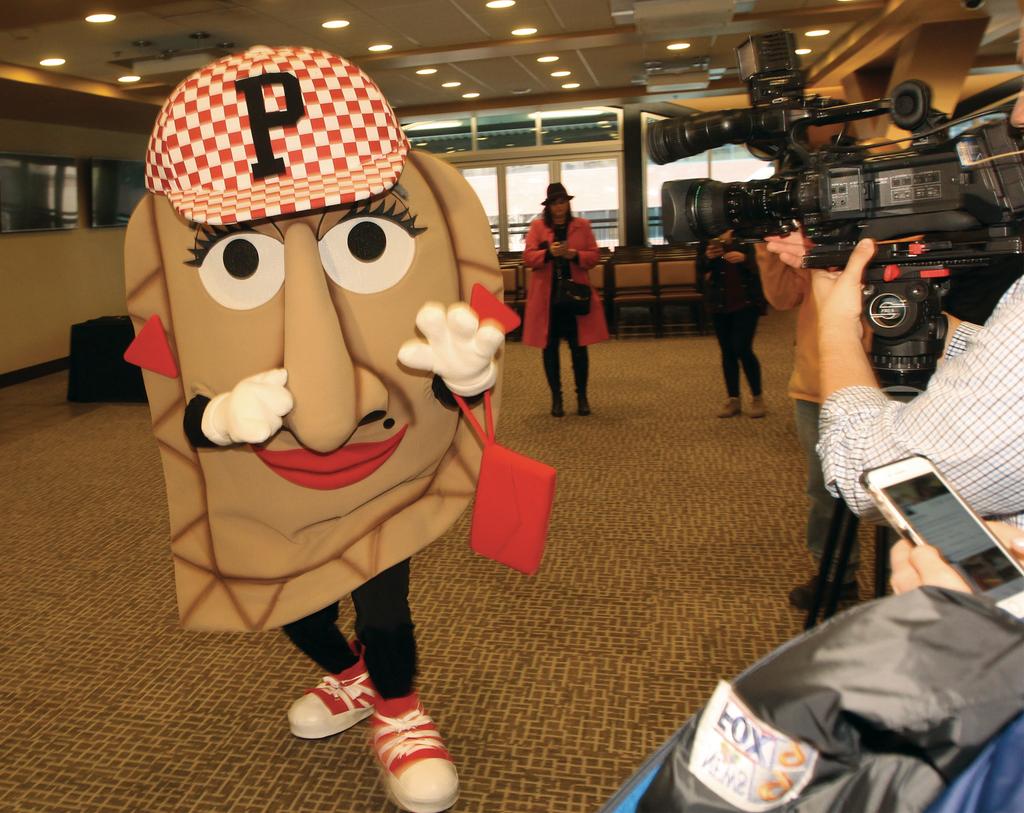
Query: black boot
column 583, row 404
column 556, row 405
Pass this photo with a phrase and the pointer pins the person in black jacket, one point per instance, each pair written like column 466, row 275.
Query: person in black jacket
column 732, row 290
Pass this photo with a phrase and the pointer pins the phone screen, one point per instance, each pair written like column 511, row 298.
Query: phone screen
column 942, row 521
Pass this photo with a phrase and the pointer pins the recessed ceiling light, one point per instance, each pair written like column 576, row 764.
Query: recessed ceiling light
column 520, row 91
column 570, row 86
column 421, row 143
column 561, row 73
column 472, row 95
column 523, row 32
column 802, row 51
column 383, row 46
column 426, row 71
column 128, row 79
column 52, row 62
column 501, row 3
column 451, row 84
column 818, row 32
column 481, row 138
column 335, row 24
column 678, row 46
column 101, row 18
column 547, row 59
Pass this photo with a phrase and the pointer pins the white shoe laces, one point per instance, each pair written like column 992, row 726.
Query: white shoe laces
column 349, row 692
column 406, row 739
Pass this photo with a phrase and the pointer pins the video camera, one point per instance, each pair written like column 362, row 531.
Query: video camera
column 963, row 195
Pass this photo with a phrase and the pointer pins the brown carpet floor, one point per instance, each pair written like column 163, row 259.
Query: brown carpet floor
column 674, row 540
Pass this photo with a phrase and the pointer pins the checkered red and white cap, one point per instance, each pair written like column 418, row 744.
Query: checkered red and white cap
column 346, row 146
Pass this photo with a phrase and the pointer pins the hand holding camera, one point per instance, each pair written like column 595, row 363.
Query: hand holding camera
column 714, row 250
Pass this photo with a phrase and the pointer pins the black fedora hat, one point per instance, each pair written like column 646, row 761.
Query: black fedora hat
column 556, row 192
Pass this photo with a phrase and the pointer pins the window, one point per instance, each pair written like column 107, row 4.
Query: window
column 595, row 187
column 448, row 136
column 484, row 181
column 525, row 188
column 501, row 132
column 575, row 126
column 733, row 162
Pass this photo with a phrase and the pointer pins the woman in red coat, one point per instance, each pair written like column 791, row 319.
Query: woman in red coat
column 559, row 245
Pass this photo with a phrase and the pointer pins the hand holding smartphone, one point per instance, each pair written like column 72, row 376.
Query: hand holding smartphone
column 919, row 503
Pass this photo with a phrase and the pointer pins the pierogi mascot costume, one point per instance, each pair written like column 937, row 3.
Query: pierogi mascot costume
column 276, row 277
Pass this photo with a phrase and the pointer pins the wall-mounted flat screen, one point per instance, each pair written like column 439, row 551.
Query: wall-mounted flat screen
column 117, row 186
column 37, row 192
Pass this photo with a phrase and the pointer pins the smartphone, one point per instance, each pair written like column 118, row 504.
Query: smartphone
column 919, row 503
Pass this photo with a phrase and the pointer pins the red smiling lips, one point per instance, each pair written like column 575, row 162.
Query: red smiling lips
column 342, row 467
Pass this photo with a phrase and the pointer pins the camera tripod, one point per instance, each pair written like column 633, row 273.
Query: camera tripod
column 842, row 535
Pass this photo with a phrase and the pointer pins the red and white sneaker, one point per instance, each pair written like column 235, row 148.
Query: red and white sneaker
column 418, row 770
column 337, row 703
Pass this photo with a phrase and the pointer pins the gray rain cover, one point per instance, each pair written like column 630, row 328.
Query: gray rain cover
column 876, row 710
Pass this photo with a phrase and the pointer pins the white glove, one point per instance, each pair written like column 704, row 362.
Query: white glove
column 457, row 348
column 251, row 412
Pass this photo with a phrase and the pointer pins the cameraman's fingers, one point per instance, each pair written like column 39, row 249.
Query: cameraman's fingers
column 934, row 570
column 903, row 577
column 793, row 243
column 792, row 260
column 859, row 259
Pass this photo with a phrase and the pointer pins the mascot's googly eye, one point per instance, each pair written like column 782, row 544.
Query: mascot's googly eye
column 365, row 255
column 243, row 271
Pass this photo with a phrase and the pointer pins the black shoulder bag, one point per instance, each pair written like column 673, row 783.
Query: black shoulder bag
column 575, row 296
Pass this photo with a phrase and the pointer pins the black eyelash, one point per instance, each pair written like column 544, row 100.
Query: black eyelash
column 403, row 217
column 207, row 236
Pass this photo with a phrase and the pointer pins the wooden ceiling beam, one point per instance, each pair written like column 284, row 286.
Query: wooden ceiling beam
column 74, row 84
column 880, row 33
column 494, row 49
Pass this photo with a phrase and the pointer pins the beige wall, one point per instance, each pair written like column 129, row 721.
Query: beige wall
column 51, row 280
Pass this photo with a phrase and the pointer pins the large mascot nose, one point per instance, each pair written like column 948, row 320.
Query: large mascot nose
column 331, row 392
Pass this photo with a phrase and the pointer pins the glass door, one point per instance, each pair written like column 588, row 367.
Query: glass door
column 525, row 187
column 594, row 183
column 484, row 181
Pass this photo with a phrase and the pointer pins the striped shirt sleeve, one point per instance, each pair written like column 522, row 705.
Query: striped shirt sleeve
column 969, row 422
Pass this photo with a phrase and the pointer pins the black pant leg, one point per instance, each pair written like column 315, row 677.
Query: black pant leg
column 552, row 365
column 724, row 331
column 384, row 626
column 318, row 636
column 580, row 361
column 744, row 327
